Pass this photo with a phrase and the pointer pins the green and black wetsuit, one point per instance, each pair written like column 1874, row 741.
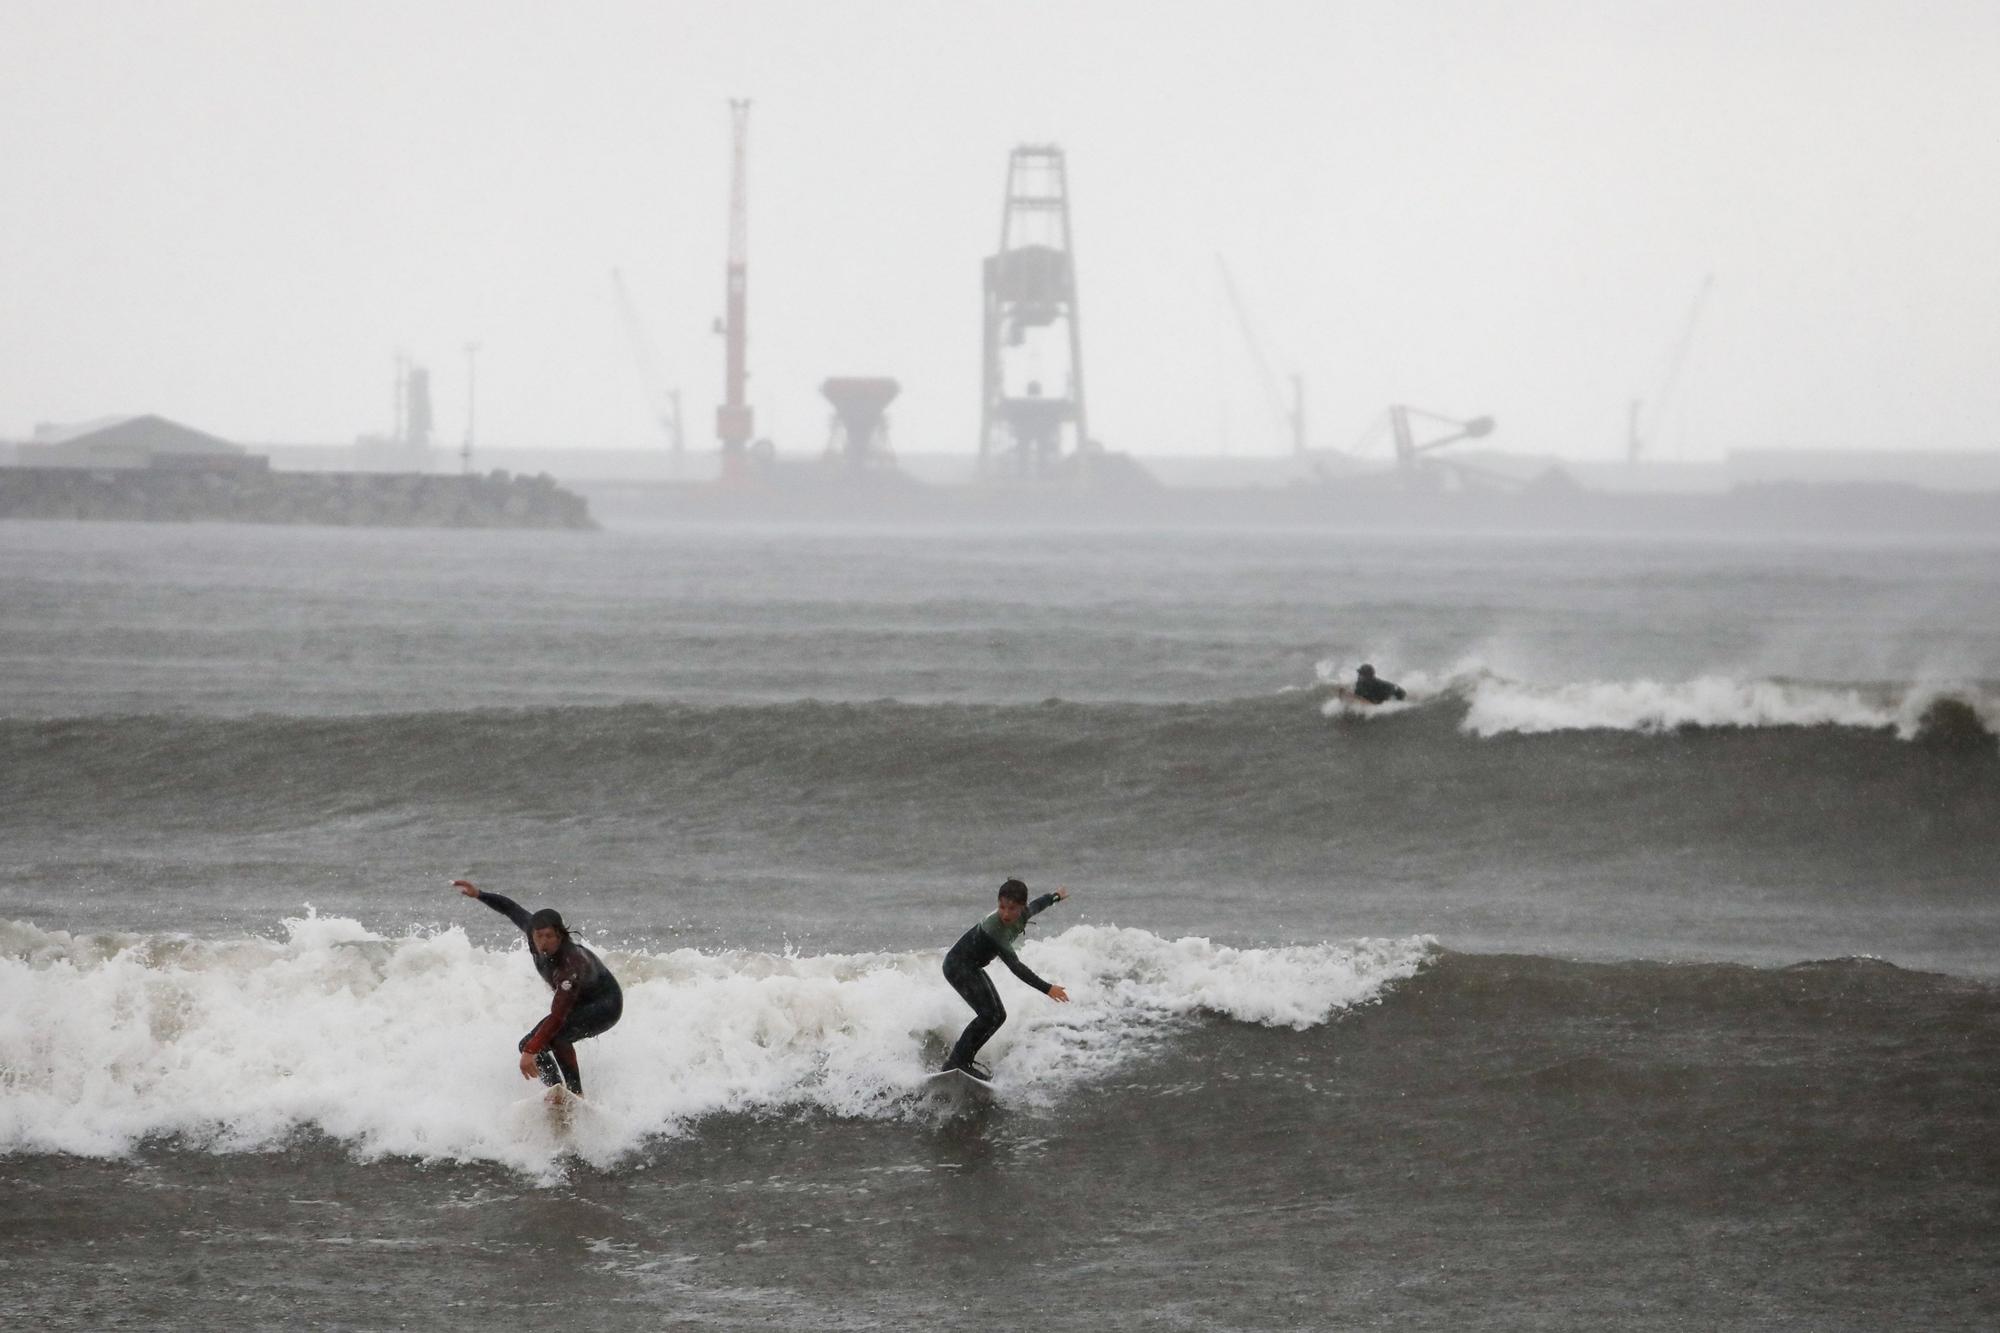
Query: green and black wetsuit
column 965, row 969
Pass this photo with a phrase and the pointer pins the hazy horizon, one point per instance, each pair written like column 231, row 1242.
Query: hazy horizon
column 235, row 215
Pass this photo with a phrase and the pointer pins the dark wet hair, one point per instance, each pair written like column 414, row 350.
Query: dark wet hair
column 1366, row 670
column 549, row 917
column 1014, row 891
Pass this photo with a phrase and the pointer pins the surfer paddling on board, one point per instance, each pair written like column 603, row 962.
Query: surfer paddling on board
column 1371, row 688
column 587, row 998
column 994, row 936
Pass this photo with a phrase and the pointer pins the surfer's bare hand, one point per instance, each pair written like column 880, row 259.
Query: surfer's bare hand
column 466, row 887
column 528, row 1069
column 1059, row 995
column 1061, row 893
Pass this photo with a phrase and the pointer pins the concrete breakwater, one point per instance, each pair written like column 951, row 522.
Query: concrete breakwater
column 256, row 495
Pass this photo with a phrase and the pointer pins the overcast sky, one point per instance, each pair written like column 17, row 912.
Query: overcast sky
column 235, row 213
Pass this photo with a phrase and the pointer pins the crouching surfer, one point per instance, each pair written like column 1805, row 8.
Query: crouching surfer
column 1371, row 688
column 994, row 936
column 587, row 998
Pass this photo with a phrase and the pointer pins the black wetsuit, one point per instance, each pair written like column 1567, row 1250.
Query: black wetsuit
column 965, row 969
column 1376, row 690
column 587, row 999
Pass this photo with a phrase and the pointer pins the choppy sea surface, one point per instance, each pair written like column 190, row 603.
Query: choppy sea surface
column 1638, row 971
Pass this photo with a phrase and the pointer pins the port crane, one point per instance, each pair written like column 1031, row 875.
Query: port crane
column 1030, row 312
column 664, row 402
column 1635, row 438
column 1416, row 467
column 1292, row 414
column 1413, row 461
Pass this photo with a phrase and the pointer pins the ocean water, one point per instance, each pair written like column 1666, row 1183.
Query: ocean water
column 1639, row 971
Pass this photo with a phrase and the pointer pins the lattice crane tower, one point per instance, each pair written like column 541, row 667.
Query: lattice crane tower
column 1032, row 404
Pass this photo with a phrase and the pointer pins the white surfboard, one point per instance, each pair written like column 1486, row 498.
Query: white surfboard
column 564, row 1107
column 554, row 1118
column 960, row 1082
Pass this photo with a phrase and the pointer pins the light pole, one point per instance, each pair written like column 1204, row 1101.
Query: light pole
column 471, row 405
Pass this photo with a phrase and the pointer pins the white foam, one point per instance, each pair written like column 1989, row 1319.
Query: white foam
column 1497, row 704
column 406, row 1045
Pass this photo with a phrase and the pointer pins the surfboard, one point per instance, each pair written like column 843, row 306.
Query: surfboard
column 562, row 1103
column 557, row 1110
column 553, row 1120
column 959, row 1081
column 1354, row 703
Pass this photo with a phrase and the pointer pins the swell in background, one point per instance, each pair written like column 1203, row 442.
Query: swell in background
column 208, row 727
column 852, row 826
column 153, row 618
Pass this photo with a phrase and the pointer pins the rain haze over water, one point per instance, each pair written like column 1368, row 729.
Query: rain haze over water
column 1501, row 208
column 1635, row 969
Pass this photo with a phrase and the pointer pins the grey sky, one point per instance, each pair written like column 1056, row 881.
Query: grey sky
column 234, row 213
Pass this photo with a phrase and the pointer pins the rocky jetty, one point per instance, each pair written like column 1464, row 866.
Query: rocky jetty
column 255, row 495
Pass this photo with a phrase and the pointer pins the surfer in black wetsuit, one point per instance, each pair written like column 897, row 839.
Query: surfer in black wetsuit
column 1374, row 689
column 587, row 998
column 994, row 936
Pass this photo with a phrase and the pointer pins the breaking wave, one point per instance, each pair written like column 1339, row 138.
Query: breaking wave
column 1495, row 704
column 405, row 1045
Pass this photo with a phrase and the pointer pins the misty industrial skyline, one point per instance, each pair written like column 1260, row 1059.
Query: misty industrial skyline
column 236, row 214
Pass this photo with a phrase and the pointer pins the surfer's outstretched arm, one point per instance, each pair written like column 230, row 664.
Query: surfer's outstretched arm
column 505, row 906
column 1021, row 969
column 1043, row 903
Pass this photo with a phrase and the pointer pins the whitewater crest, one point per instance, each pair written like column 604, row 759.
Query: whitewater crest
column 405, row 1045
column 1496, row 704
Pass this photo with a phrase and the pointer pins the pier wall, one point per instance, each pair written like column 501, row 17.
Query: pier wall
column 252, row 495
